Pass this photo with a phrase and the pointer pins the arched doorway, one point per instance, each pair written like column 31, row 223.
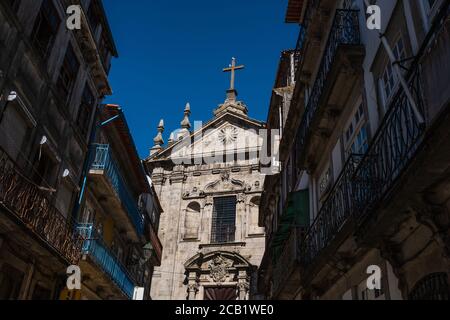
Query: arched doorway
column 218, row 275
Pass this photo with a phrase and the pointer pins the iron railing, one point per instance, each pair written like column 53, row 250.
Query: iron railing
column 106, row 260
column 344, row 31
column 367, row 179
column 395, row 144
column 364, row 182
column 391, row 150
column 335, row 211
column 34, row 209
column 302, row 37
column 104, row 160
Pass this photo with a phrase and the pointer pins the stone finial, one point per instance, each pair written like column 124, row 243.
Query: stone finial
column 171, row 139
column 158, row 140
column 186, row 124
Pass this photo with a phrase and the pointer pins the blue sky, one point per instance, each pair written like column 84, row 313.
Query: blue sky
column 173, row 52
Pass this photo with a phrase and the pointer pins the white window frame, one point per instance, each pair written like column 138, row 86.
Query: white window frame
column 387, row 97
column 358, row 125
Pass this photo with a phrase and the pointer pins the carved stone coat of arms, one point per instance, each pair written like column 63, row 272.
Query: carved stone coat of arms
column 219, row 268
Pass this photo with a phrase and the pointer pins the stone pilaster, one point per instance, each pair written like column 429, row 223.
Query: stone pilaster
column 193, row 286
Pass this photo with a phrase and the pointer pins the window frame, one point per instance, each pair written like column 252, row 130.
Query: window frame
column 226, row 236
column 47, row 14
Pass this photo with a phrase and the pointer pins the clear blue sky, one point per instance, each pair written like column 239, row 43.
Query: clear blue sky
column 173, row 52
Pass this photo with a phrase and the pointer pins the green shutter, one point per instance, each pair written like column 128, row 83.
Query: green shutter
column 295, row 215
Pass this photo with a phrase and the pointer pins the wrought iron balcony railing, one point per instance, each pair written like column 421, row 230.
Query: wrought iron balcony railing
column 104, row 160
column 302, row 37
column 33, row 208
column 391, row 151
column 344, row 31
column 335, row 211
column 366, row 180
column 106, row 260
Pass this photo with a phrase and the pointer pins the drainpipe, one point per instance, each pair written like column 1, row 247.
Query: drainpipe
column 399, row 74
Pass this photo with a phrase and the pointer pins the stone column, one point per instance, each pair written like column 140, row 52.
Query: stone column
column 240, row 217
column 207, row 219
column 202, row 228
column 243, row 285
column 192, row 285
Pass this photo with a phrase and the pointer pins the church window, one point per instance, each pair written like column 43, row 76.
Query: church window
column 224, row 220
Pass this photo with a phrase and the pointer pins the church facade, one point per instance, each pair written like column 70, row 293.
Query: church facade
column 209, row 182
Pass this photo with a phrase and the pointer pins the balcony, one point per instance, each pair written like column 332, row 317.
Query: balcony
column 366, row 179
column 334, row 213
column 358, row 206
column 102, row 257
column 33, row 209
column 110, row 186
column 336, row 77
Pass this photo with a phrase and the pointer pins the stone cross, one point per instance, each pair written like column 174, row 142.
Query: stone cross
column 232, row 68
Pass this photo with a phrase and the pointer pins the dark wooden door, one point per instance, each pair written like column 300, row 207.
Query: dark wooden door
column 222, row 293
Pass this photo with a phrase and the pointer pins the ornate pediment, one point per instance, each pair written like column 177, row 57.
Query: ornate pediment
column 217, row 266
column 224, row 184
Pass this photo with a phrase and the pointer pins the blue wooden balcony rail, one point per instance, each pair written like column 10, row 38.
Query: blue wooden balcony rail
column 344, row 31
column 102, row 159
column 105, row 259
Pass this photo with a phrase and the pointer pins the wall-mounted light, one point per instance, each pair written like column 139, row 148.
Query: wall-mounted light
column 66, row 173
column 44, row 140
column 12, row 96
